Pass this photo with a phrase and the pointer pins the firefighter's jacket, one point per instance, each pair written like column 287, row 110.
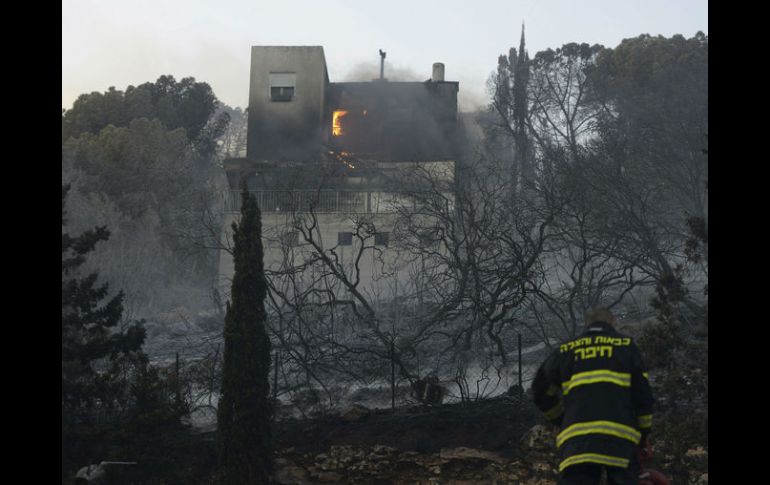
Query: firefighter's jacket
column 596, row 388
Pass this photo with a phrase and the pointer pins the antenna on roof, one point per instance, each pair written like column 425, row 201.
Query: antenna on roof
column 382, row 65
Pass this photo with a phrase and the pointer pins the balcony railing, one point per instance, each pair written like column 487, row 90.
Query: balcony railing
column 319, row 201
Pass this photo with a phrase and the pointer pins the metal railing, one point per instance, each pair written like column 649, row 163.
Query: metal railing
column 319, row 201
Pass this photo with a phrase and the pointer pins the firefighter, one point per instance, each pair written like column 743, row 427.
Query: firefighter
column 596, row 388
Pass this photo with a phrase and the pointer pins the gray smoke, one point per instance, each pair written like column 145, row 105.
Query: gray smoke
column 366, row 71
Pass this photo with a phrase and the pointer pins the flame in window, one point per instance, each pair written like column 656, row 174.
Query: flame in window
column 337, row 121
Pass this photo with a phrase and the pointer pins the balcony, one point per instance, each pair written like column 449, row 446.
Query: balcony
column 320, row 201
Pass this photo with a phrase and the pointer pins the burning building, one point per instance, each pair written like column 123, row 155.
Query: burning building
column 295, row 113
column 336, row 149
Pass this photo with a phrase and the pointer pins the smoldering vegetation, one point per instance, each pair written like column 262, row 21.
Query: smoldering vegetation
column 144, row 163
column 578, row 186
column 582, row 182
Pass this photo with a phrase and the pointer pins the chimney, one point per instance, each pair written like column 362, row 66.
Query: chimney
column 438, row 72
column 382, row 65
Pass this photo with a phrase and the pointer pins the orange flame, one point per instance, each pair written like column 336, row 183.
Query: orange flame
column 337, row 121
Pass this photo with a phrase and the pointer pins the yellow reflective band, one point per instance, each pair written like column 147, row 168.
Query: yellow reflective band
column 646, row 375
column 645, row 421
column 593, row 458
column 592, row 377
column 555, row 411
column 599, row 427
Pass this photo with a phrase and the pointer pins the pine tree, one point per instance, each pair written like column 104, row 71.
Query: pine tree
column 245, row 411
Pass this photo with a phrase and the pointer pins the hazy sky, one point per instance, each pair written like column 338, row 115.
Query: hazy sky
column 117, row 43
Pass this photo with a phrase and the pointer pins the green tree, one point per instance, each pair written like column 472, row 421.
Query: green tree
column 143, row 161
column 245, row 411
column 184, row 104
column 140, row 167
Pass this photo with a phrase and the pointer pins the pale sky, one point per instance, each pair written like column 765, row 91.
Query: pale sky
column 117, row 43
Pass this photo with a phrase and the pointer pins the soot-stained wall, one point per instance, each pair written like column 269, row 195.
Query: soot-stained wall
column 387, row 121
column 286, row 129
column 395, row 120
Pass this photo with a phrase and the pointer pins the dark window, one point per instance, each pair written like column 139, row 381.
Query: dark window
column 281, row 93
column 282, row 86
column 381, row 238
column 345, row 238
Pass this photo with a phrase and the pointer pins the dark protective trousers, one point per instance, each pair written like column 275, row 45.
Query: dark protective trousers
column 591, row 474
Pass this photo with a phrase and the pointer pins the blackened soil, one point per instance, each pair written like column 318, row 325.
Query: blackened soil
column 493, row 424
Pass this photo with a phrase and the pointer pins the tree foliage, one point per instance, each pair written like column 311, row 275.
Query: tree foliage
column 621, row 133
column 186, row 104
column 140, row 167
column 144, row 161
column 245, row 411
column 510, row 101
column 655, row 124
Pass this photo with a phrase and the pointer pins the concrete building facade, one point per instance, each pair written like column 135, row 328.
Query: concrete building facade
column 338, row 153
column 287, row 91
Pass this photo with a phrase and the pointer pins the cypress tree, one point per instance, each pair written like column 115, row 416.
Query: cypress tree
column 520, row 67
column 245, row 411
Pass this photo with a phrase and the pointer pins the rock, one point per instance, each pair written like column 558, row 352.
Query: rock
column 463, row 453
column 383, row 450
column 540, row 437
column 346, row 455
column 702, row 480
column 697, row 458
column 696, row 452
column 542, row 467
column 92, row 474
column 355, row 412
column 385, row 464
column 321, row 457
